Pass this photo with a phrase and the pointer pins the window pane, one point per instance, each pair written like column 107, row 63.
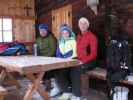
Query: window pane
column 0, row 36
column 7, row 36
column 0, row 24
column 7, row 24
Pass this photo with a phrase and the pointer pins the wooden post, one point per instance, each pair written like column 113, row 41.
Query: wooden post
column 1, row 97
column 3, row 92
column 84, row 85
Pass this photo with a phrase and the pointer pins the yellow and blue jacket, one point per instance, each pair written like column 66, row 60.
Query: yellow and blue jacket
column 67, row 48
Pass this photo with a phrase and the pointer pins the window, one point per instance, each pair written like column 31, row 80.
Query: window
column 6, row 30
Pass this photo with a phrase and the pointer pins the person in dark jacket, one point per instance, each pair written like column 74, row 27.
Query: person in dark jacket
column 46, row 46
column 46, row 43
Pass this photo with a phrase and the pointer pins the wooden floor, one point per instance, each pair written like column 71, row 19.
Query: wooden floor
column 93, row 95
column 18, row 94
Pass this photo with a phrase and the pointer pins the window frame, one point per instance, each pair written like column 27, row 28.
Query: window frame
column 2, row 30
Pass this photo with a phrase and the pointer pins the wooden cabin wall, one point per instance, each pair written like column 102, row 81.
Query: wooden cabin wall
column 24, row 32
column 16, row 7
column 124, row 9
column 79, row 8
column 23, row 16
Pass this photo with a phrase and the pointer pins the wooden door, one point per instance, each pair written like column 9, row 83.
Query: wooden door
column 24, row 30
column 61, row 16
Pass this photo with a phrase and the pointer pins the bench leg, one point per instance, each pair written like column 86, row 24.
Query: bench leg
column 36, row 87
column 1, row 97
column 2, row 76
column 84, row 85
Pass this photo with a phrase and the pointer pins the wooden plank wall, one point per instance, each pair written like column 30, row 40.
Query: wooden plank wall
column 44, row 8
column 16, row 7
column 79, row 8
column 23, row 23
column 24, row 30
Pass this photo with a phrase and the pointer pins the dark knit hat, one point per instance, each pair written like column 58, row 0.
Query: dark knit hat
column 43, row 26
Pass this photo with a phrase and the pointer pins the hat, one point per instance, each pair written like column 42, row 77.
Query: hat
column 83, row 19
column 43, row 26
column 65, row 27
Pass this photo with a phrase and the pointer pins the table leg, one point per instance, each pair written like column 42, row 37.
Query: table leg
column 2, row 75
column 1, row 98
column 11, row 80
column 40, row 88
column 35, row 86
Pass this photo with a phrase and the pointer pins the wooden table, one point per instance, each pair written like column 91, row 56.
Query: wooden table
column 29, row 65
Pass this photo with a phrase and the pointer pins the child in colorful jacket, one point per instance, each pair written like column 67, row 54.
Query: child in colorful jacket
column 67, row 43
column 67, row 77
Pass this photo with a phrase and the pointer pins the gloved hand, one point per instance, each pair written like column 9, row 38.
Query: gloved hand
column 80, row 62
column 68, row 54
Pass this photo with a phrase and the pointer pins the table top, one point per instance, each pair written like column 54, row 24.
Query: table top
column 34, row 64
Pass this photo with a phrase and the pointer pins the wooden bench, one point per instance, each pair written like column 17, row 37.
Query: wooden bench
column 98, row 73
column 3, row 92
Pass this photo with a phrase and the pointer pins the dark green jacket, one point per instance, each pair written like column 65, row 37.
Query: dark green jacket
column 47, row 45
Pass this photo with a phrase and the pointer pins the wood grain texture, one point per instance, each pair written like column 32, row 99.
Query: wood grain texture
column 100, row 73
column 3, row 91
column 16, row 7
column 35, row 85
column 34, row 64
column 59, row 17
column 24, row 30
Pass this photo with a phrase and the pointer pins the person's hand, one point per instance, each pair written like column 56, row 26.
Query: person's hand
column 80, row 62
column 18, row 54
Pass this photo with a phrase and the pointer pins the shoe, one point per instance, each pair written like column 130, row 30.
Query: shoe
column 54, row 92
column 75, row 98
column 65, row 96
column 55, row 88
column 83, row 98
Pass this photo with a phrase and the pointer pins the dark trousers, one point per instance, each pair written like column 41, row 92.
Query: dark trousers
column 72, row 78
column 69, row 78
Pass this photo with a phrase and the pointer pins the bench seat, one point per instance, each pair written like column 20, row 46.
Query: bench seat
column 100, row 73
